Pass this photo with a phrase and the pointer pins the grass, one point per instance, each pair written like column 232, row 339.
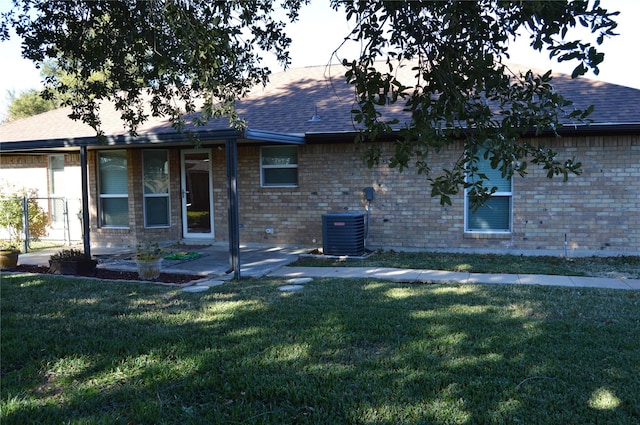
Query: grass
column 77, row 351
column 620, row 266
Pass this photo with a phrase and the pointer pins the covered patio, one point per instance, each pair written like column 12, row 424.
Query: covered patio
column 213, row 259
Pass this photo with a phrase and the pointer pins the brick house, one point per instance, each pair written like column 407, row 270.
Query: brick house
column 297, row 161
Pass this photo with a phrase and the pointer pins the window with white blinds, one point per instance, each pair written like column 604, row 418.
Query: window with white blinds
column 495, row 215
column 155, row 176
column 113, row 189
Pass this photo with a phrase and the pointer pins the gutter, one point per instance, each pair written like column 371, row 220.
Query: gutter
column 598, row 129
column 594, row 129
column 117, row 140
column 275, row 137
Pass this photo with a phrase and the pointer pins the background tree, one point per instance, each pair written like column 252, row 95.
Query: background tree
column 173, row 53
column 33, row 102
column 50, row 70
column 27, row 103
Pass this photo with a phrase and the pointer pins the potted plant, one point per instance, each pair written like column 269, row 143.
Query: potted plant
column 72, row 261
column 8, row 255
column 149, row 260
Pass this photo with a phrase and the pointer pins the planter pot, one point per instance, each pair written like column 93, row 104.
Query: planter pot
column 149, row 269
column 73, row 267
column 8, row 260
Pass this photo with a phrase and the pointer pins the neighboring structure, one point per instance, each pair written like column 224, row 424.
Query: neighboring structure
column 297, row 161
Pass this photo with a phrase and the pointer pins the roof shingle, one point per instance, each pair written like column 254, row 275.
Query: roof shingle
column 290, row 99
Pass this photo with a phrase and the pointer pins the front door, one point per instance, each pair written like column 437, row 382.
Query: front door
column 197, row 193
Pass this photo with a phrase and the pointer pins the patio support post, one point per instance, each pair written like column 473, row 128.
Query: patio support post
column 85, row 201
column 25, row 224
column 231, row 150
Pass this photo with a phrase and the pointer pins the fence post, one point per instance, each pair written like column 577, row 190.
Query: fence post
column 25, row 223
column 67, row 224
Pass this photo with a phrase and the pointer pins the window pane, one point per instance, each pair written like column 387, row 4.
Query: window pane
column 113, row 172
column 56, row 174
column 287, row 155
column 280, row 176
column 156, row 211
column 114, row 212
column 279, row 166
column 156, row 172
column 56, row 162
column 495, row 176
column 493, row 215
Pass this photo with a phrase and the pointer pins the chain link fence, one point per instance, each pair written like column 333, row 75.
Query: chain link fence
column 41, row 222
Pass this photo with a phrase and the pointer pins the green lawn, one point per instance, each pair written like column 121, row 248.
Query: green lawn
column 620, row 266
column 80, row 351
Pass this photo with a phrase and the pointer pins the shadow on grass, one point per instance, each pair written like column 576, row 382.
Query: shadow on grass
column 340, row 351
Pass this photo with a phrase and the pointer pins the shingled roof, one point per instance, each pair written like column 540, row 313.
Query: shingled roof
column 283, row 109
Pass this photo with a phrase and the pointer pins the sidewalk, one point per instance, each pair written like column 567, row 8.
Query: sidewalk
column 257, row 262
column 435, row 276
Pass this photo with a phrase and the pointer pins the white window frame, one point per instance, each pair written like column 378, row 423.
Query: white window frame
column 264, row 167
column 102, row 196
column 497, row 194
column 166, row 195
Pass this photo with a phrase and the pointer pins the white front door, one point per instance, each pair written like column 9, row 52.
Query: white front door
column 197, row 193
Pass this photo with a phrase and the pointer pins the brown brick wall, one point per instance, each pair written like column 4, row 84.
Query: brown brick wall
column 8, row 161
column 136, row 230
column 598, row 210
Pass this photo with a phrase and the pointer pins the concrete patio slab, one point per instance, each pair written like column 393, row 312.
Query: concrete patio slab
column 194, row 289
column 210, row 283
column 299, row 280
column 290, row 288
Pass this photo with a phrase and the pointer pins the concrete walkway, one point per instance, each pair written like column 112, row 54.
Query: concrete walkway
column 213, row 260
column 257, row 262
column 436, row 276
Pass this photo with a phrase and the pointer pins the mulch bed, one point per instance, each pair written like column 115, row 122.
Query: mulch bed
column 177, row 278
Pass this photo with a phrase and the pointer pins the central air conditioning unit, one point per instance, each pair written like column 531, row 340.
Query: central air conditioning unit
column 343, row 234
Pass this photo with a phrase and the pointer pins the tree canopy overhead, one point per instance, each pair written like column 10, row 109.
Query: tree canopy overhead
column 179, row 51
column 175, row 51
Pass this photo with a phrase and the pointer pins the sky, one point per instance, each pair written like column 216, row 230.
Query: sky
column 320, row 30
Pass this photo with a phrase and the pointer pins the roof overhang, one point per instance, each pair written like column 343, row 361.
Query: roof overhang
column 263, row 136
column 146, row 139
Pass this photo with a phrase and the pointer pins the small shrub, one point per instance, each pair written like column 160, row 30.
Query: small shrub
column 68, row 255
column 9, row 246
column 149, row 251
